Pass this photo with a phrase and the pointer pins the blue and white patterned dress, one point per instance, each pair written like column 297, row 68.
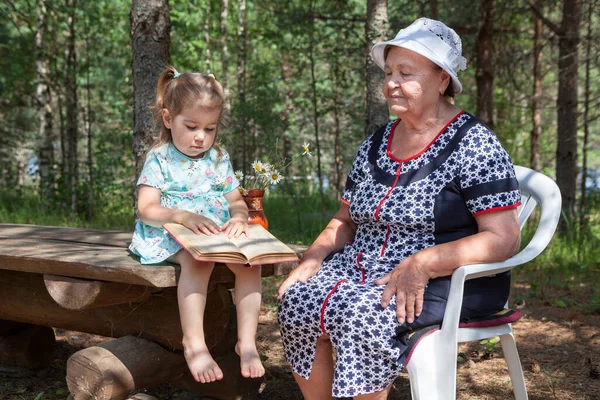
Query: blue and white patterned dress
column 400, row 207
column 196, row 185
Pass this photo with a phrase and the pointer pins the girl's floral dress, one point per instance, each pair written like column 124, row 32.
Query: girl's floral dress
column 196, row 185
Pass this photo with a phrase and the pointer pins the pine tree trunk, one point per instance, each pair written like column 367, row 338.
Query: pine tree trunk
column 375, row 31
column 337, row 147
column 566, row 147
column 241, row 83
column 224, row 78
column 44, row 103
column 485, row 67
column 71, row 105
column 88, row 130
column 207, row 39
column 434, row 9
column 150, row 26
column 315, row 106
column 586, row 113
column 536, row 101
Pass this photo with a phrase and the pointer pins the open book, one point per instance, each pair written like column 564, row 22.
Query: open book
column 259, row 247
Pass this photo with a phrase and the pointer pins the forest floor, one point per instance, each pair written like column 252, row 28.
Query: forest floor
column 558, row 347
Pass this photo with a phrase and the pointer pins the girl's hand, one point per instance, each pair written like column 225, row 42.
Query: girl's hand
column 407, row 281
column 199, row 224
column 235, row 227
column 303, row 272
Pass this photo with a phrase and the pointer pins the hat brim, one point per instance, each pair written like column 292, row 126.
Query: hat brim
column 378, row 55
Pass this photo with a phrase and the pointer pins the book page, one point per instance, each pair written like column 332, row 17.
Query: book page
column 260, row 247
column 261, row 242
column 201, row 243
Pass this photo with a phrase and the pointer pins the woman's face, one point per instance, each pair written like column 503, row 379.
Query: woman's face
column 193, row 131
column 412, row 82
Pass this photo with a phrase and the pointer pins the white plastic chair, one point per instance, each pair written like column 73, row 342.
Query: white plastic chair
column 432, row 365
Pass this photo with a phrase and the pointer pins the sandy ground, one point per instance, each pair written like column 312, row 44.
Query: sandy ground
column 558, row 348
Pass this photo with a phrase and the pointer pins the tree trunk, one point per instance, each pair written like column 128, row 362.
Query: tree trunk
column 434, row 9
column 375, row 32
column 44, row 103
column 207, row 39
column 337, row 147
column 224, row 78
column 150, row 25
column 566, row 147
column 485, row 67
column 88, row 129
column 313, row 84
column 536, row 102
column 71, row 104
column 586, row 112
column 241, row 83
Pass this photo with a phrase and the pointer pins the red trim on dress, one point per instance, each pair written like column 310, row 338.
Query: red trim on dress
column 362, row 271
column 497, row 209
column 389, row 143
column 387, row 236
column 325, row 304
column 388, row 192
column 345, row 201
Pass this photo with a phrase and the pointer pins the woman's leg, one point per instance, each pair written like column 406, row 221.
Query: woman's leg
column 319, row 383
column 191, row 296
column 247, row 303
column 383, row 395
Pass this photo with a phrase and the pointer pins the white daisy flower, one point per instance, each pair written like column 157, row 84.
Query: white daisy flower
column 257, row 166
column 274, row 177
column 306, row 147
column 239, row 175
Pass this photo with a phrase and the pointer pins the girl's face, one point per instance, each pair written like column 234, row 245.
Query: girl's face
column 193, row 131
column 412, row 82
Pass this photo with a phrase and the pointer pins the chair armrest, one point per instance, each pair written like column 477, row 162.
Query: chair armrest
column 543, row 234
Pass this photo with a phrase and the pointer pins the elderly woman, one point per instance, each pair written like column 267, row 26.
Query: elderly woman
column 427, row 193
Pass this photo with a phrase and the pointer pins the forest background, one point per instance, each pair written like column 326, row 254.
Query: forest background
column 76, row 78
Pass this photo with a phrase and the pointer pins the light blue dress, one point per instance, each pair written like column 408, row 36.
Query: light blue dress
column 195, row 185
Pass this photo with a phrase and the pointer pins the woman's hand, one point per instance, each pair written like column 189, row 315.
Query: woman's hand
column 303, row 272
column 235, row 227
column 407, row 281
column 200, row 224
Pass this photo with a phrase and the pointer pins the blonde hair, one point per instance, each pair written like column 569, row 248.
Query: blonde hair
column 176, row 91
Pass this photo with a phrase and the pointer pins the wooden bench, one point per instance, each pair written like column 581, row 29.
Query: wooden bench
column 86, row 280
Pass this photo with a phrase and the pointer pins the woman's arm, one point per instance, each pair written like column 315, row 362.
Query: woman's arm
column 498, row 238
column 152, row 213
column 336, row 234
column 238, row 223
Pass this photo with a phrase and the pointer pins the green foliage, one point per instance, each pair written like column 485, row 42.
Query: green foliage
column 567, row 273
column 296, row 218
column 489, row 344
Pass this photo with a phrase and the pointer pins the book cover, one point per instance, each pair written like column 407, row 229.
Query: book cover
column 259, row 247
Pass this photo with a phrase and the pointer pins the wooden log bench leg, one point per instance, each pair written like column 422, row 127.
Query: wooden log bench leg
column 25, row 347
column 123, row 366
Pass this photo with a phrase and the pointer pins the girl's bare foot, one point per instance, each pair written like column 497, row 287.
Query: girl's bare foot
column 201, row 364
column 250, row 363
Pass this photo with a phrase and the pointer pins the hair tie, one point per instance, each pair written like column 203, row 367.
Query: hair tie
column 176, row 74
column 212, row 76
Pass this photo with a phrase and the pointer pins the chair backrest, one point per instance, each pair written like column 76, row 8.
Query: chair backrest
column 537, row 188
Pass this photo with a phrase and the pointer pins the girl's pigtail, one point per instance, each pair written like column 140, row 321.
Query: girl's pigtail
column 165, row 78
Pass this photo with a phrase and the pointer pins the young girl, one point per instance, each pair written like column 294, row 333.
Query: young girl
column 189, row 180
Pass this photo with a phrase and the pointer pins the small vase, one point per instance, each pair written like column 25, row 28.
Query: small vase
column 254, row 201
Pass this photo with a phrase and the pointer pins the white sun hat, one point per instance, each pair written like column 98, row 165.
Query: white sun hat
column 431, row 39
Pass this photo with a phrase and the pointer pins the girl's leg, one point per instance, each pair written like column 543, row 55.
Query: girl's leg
column 191, row 296
column 319, row 383
column 247, row 302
